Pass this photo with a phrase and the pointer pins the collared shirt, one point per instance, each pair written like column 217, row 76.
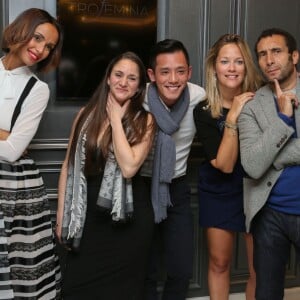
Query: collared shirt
column 12, row 84
column 183, row 137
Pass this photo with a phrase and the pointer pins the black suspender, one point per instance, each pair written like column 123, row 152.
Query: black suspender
column 23, row 96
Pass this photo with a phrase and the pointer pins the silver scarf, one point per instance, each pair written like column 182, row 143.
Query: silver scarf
column 115, row 194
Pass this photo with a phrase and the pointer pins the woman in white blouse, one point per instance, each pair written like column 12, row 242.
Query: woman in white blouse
column 29, row 267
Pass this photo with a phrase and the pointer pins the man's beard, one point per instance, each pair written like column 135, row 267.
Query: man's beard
column 286, row 74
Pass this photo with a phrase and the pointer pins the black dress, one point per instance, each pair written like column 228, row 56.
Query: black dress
column 112, row 259
column 220, row 194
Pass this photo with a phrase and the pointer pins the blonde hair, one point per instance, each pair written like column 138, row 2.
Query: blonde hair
column 252, row 80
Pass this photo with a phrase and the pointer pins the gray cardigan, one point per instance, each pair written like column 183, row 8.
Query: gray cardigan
column 265, row 148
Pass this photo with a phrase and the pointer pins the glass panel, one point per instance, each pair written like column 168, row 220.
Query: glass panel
column 95, row 32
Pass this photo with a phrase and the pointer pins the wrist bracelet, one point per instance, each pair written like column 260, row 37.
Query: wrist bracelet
column 231, row 126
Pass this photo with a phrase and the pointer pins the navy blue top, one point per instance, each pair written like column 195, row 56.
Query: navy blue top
column 220, row 194
column 285, row 194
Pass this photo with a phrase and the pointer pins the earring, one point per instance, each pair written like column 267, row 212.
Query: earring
column 215, row 77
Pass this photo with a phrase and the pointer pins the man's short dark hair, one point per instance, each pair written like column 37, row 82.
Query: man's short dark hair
column 166, row 46
column 289, row 39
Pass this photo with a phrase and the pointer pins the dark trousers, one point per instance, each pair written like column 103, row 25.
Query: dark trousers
column 274, row 233
column 176, row 236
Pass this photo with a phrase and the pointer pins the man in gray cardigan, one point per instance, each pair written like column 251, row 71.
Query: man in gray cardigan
column 270, row 153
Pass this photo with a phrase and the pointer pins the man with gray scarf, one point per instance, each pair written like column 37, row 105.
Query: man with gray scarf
column 171, row 99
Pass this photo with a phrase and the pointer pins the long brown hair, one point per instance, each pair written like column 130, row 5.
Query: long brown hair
column 134, row 121
column 21, row 31
column 252, row 80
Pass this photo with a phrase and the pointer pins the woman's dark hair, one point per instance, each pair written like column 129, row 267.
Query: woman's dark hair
column 134, row 121
column 21, row 31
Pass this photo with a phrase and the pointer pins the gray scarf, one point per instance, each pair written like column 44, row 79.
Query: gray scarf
column 115, row 194
column 75, row 203
column 165, row 152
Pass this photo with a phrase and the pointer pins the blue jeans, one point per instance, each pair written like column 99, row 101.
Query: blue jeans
column 274, row 233
column 176, row 235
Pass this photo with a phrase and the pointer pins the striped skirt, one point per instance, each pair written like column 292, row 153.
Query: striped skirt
column 29, row 267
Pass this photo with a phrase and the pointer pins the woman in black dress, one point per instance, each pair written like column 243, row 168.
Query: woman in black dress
column 231, row 80
column 104, row 214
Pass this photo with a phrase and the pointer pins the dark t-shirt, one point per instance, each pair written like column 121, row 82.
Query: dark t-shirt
column 220, row 194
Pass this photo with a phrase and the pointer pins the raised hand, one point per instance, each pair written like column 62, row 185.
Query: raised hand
column 115, row 111
column 286, row 101
column 237, row 106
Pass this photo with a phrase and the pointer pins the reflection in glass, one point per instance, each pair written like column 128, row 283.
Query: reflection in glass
column 95, row 32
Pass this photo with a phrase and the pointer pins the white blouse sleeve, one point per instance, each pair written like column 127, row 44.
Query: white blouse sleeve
column 26, row 124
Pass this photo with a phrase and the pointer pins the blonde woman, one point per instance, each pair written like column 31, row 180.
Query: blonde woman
column 231, row 80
